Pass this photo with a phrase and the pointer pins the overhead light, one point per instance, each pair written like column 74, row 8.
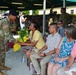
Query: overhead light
column 21, row 7
column 38, row 4
column 3, row 7
column 17, row 3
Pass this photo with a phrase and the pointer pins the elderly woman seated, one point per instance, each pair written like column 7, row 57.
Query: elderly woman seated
column 60, row 59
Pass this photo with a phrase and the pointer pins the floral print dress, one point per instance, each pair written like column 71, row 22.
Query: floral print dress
column 65, row 51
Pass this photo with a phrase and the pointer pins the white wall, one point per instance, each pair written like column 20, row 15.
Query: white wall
column 41, row 12
column 68, row 10
column 71, row 8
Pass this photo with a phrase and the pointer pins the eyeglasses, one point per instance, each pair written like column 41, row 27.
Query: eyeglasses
column 59, row 23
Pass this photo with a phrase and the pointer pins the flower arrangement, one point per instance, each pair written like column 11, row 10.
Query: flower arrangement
column 23, row 37
column 16, row 47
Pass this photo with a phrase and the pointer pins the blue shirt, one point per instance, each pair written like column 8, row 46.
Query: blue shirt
column 61, row 31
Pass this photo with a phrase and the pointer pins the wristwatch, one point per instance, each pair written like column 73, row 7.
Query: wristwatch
column 44, row 54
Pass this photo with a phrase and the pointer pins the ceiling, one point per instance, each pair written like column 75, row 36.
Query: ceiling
column 32, row 4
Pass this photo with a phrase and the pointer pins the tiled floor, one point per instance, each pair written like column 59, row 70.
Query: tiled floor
column 13, row 60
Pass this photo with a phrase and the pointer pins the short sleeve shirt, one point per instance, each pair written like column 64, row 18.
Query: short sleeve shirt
column 73, row 53
column 52, row 42
column 37, row 36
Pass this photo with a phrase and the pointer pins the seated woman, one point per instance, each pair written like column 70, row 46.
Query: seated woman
column 71, row 59
column 60, row 59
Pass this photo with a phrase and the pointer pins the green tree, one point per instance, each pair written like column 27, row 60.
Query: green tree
column 35, row 12
column 27, row 12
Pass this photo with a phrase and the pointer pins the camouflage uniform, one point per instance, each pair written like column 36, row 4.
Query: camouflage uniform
column 5, row 37
column 66, row 18
column 13, row 27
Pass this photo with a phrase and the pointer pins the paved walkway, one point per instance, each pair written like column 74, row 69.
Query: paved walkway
column 13, row 60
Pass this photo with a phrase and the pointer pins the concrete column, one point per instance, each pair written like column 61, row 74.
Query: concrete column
column 64, row 3
column 44, row 16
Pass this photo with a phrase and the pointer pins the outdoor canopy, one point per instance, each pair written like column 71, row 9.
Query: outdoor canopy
column 32, row 4
column 72, row 0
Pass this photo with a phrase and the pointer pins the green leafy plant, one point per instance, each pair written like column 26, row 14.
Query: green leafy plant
column 23, row 35
column 27, row 12
column 35, row 12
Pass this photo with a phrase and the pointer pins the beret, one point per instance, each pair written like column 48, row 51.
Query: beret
column 13, row 12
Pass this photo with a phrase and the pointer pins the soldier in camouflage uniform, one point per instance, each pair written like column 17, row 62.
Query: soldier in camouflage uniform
column 65, row 17
column 6, row 29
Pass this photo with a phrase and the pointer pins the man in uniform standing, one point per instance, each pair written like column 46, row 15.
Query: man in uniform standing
column 6, row 36
column 65, row 17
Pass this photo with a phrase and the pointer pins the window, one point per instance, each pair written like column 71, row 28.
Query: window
column 72, row 11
